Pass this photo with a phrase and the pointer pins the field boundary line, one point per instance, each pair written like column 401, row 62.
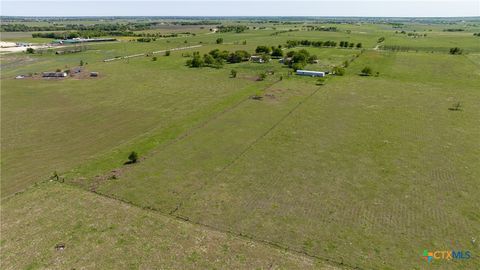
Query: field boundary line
column 244, row 151
column 237, row 235
column 143, row 54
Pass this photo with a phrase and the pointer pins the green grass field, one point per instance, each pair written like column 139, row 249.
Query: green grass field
column 100, row 233
column 364, row 172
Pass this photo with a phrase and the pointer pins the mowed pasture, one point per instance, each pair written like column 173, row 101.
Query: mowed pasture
column 100, row 233
column 364, row 172
column 50, row 125
column 367, row 171
column 137, row 103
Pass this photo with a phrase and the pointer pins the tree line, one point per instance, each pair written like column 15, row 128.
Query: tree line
column 328, row 43
column 232, row 28
column 79, row 27
column 216, row 58
column 76, row 34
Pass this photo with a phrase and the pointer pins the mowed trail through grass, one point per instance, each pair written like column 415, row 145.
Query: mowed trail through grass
column 369, row 171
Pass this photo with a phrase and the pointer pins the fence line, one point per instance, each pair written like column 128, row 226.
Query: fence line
column 144, row 54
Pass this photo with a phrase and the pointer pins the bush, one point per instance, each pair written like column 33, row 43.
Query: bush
column 338, row 71
column 154, row 58
column 167, row 53
column 366, row 71
column 30, row 50
column 297, row 66
column 233, row 73
column 277, row 52
column 133, row 157
column 262, row 76
column 262, row 49
column 219, row 40
column 455, row 50
column 321, row 81
column 196, row 61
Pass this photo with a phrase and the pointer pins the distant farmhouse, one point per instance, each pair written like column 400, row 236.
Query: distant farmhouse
column 311, row 73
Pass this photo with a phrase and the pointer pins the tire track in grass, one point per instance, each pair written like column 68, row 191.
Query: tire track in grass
column 174, row 211
column 237, row 235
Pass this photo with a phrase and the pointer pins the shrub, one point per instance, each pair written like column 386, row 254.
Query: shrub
column 233, row 73
column 366, row 71
column 297, row 66
column 154, row 58
column 262, row 49
column 30, row 50
column 167, row 53
column 133, row 157
column 338, row 71
column 219, row 40
column 277, row 52
column 321, row 81
column 262, row 76
column 455, row 50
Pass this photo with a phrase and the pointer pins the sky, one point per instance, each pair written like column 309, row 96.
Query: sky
column 375, row 8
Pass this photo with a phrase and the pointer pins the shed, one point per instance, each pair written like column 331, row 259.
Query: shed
column 54, row 74
column 310, row 73
column 256, row 59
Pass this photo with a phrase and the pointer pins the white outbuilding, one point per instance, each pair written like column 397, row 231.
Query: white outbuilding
column 311, row 73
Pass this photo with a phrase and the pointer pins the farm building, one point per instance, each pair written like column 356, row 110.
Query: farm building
column 285, row 60
column 310, row 73
column 256, row 59
column 54, row 74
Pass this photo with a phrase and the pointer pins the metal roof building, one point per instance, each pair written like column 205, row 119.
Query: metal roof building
column 310, row 73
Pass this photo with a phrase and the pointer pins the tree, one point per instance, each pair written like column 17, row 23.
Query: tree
column 81, row 62
column 196, row 61
column 167, row 53
column 346, row 63
column 366, row 71
column 208, row 59
column 154, row 58
column 359, row 45
column 262, row 49
column 30, row 50
column 297, row 66
column 312, row 59
column 238, row 56
column 219, row 40
column 233, row 73
column 133, row 157
column 277, row 52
